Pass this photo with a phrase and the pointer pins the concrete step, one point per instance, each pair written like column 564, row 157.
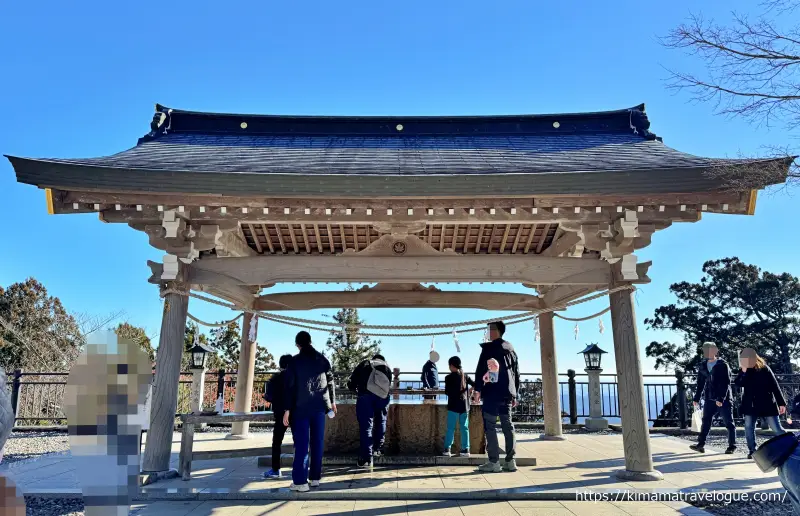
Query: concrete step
column 396, row 460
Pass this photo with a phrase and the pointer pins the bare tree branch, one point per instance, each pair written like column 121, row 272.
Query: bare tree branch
column 90, row 323
column 752, row 71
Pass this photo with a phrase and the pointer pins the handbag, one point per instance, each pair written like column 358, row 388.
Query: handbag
column 774, row 452
column 697, row 420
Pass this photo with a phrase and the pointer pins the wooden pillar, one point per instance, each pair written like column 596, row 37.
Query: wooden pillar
column 244, row 377
column 551, row 401
column 630, row 390
column 164, row 403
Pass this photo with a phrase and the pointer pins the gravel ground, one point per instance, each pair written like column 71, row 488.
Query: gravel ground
column 28, row 445
column 47, row 507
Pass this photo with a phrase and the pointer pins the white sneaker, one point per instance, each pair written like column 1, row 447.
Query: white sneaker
column 302, row 488
column 447, row 453
column 315, row 483
column 464, row 453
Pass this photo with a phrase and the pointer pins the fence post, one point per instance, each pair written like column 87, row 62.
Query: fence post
column 396, row 382
column 681, row 395
column 15, row 384
column 573, row 398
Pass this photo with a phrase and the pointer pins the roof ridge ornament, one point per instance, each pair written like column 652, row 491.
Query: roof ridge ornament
column 640, row 124
column 160, row 124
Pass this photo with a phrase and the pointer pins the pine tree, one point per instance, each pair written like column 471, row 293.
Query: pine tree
column 227, row 340
column 346, row 355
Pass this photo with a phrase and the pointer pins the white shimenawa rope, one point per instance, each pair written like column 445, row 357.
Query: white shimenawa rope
column 326, row 326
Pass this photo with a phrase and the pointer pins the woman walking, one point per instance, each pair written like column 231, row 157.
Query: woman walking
column 761, row 398
column 456, row 386
column 309, row 395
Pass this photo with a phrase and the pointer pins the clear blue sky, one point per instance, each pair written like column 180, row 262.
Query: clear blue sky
column 80, row 79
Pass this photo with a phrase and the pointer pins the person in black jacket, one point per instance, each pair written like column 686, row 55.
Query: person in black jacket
column 308, row 395
column 430, row 374
column 456, row 386
column 499, row 397
column 274, row 397
column 714, row 384
column 761, row 396
column 371, row 409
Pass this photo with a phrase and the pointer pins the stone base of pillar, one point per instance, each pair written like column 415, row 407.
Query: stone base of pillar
column 149, row 477
column 238, row 437
column 596, row 423
column 639, row 476
column 545, row 437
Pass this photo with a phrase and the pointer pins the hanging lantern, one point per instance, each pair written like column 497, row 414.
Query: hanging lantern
column 592, row 355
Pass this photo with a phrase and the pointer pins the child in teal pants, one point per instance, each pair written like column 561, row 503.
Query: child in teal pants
column 456, row 386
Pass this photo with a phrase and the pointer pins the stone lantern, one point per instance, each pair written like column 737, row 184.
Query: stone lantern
column 592, row 354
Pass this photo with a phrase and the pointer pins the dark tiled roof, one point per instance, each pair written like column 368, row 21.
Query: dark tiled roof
column 416, row 155
column 259, row 152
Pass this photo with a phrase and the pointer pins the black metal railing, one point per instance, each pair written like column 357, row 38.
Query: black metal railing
column 37, row 397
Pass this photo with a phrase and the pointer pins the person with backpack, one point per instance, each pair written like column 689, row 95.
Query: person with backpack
column 309, row 395
column 371, row 381
column 497, row 384
column 456, row 386
column 714, row 386
column 274, row 396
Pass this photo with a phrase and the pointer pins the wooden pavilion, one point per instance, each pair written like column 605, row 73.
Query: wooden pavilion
column 558, row 203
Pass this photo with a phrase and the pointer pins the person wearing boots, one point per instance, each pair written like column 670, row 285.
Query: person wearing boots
column 714, row 386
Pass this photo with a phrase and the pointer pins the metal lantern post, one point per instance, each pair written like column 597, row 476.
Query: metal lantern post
column 592, row 355
column 199, row 356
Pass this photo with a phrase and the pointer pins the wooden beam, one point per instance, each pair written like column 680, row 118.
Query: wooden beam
column 565, row 242
column 263, row 270
column 479, row 240
column 319, row 240
column 505, row 239
column 269, row 240
column 293, row 238
column 542, row 240
column 255, row 238
column 397, row 299
column 229, row 243
column 149, row 213
column 305, row 239
column 330, row 238
column 342, row 237
column 280, row 239
column 534, row 227
column 516, row 240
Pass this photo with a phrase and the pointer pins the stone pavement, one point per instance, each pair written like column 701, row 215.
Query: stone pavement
column 584, row 463
column 413, row 508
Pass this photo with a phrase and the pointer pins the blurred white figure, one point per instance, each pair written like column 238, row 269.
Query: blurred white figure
column 104, row 396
